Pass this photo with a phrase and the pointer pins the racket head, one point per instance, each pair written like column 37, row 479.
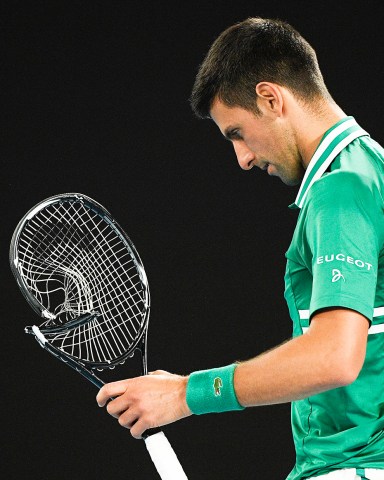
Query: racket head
column 82, row 274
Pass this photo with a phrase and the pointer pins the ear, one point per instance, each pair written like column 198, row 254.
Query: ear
column 269, row 98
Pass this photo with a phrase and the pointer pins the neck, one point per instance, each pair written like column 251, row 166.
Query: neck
column 311, row 124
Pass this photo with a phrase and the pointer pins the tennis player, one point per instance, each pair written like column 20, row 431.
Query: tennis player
column 261, row 84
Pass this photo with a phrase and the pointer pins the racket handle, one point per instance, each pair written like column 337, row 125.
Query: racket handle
column 164, row 458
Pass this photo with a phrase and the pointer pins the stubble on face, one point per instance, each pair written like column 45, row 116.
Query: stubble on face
column 288, row 165
column 272, row 141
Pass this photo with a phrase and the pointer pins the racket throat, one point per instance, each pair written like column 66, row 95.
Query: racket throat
column 53, row 327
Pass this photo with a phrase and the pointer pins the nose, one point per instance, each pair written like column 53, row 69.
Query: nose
column 245, row 156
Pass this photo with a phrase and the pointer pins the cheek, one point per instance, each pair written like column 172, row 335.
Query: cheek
column 272, row 151
column 261, row 145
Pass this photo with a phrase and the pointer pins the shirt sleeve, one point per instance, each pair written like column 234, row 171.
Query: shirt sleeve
column 342, row 232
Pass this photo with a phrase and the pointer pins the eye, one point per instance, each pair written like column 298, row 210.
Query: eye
column 235, row 134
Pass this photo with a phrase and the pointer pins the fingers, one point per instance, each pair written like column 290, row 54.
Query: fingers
column 111, row 390
column 129, row 418
column 146, row 402
column 139, row 428
column 117, row 406
column 136, row 423
column 121, row 406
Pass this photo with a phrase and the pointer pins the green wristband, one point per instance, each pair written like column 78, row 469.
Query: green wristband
column 212, row 391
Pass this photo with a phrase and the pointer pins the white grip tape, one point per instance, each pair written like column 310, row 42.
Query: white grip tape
column 164, row 458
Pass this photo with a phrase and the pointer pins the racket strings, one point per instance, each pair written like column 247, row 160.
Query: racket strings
column 99, row 265
column 74, row 262
column 109, row 275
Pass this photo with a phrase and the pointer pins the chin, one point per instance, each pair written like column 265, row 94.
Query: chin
column 291, row 182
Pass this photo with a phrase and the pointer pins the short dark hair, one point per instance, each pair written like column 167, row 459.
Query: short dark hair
column 250, row 52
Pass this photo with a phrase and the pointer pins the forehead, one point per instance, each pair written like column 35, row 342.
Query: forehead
column 229, row 117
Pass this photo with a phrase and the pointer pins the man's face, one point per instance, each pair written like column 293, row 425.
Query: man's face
column 267, row 142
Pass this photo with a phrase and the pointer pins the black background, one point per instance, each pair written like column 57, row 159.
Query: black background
column 96, row 101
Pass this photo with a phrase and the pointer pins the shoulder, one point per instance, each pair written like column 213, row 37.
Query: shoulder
column 347, row 197
column 340, row 187
column 356, row 173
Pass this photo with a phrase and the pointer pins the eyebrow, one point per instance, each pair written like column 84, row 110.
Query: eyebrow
column 229, row 133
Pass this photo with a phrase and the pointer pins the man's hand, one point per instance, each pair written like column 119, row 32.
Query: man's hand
column 146, row 402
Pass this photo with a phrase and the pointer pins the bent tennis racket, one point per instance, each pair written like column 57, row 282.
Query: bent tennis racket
column 81, row 273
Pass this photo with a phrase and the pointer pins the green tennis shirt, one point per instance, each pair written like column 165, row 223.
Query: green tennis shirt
column 336, row 259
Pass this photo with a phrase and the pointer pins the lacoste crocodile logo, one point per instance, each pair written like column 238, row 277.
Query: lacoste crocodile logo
column 217, row 385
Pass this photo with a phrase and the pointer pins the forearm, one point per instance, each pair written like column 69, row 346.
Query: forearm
column 296, row 369
column 330, row 355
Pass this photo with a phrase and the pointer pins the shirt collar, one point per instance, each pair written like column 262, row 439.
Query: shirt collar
column 333, row 142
